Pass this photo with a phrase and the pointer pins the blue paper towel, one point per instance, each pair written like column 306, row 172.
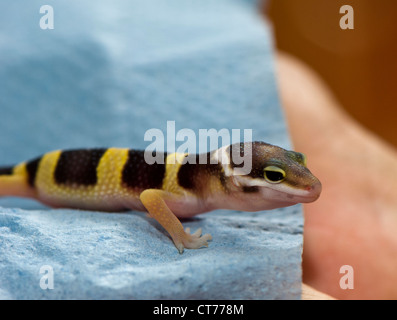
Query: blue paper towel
column 102, row 77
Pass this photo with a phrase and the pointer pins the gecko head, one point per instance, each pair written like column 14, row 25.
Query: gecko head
column 269, row 176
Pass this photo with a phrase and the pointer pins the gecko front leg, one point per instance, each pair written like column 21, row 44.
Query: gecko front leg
column 155, row 201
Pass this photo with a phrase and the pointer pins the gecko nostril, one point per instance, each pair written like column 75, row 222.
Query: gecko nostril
column 311, row 187
column 314, row 187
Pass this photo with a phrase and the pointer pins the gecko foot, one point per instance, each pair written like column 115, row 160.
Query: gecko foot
column 192, row 241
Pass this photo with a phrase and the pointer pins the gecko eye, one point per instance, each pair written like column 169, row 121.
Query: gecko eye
column 274, row 174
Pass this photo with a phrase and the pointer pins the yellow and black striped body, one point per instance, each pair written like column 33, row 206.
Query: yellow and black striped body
column 179, row 185
column 106, row 179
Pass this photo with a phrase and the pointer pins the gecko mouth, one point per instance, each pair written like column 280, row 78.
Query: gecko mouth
column 309, row 194
column 282, row 193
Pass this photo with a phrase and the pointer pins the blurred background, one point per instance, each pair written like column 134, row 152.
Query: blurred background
column 359, row 65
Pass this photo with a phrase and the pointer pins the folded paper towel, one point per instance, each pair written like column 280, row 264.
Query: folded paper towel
column 106, row 74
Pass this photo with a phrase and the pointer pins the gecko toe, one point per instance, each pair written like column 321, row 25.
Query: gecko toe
column 196, row 240
column 197, row 233
column 192, row 241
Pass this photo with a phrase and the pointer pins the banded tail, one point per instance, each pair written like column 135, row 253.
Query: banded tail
column 97, row 179
column 16, row 180
column 6, row 171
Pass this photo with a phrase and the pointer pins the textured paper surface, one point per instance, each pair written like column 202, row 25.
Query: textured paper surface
column 104, row 75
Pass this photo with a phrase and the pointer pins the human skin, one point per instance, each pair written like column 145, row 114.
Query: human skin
column 354, row 222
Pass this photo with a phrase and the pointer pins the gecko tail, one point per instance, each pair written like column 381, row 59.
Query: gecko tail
column 6, row 171
column 13, row 182
column 7, row 181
